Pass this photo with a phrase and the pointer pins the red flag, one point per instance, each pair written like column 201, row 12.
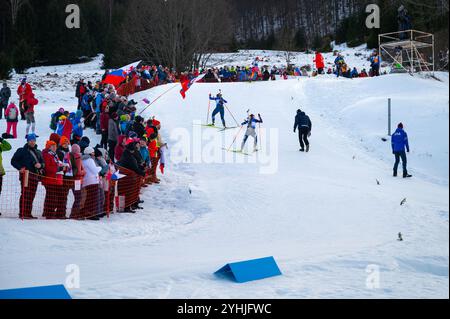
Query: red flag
column 186, row 85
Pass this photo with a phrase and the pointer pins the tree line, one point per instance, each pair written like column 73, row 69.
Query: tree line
column 178, row 33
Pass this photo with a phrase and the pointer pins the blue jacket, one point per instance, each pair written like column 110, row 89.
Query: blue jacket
column 400, row 141
column 242, row 76
column 77, row 126
column 124, row 127
column 161, row 74
column 339, row 60
column 98, row 102
column 220, row 101
column 375, row 61
column 145, row 155
column 85, row 106
column 251, row 122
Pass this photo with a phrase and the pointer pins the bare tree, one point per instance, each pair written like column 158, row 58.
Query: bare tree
column 175, row 32
column 287, row 44
column 16, row 5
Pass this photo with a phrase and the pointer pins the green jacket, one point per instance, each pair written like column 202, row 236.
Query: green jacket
column 4, row 147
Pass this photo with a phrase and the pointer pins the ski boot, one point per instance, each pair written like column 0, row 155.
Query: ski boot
column 307, row 148
column 406, row 175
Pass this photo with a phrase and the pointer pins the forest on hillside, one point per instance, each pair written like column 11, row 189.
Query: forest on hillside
column 177, row 32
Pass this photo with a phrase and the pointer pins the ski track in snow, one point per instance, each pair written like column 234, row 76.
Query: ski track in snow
column 322, row 215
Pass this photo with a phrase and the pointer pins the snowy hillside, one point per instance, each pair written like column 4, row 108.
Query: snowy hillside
column 322, row 215
column 354, row 57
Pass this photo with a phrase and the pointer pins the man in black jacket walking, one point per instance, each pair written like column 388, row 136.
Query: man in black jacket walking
column 28, row 159
column 304, row 125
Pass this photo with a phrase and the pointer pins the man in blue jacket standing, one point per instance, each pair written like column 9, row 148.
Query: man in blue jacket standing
column 399, row 144
column 375, row 63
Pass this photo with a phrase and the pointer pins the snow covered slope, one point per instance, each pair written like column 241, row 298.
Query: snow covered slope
column 322, row 215
column 354, row 57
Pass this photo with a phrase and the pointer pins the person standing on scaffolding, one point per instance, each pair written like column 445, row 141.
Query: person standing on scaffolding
column 404, row 22
column 220, row 108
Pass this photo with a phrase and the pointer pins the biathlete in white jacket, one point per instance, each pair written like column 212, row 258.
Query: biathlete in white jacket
column 251, row 130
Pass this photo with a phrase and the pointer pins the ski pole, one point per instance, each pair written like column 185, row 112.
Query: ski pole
column 260, row 136
column 157, row 99
column 235, row 138
column 209, row 109
column 237, row 124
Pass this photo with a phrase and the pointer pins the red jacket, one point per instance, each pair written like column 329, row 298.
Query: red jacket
column 82, row 90
column 24, row 91
column 67, row 129
column 320, row 63
column 104, row 121
column 183, row 78
column 31, row 102
column 51, row 168
column 119, row 148
column 153, row 148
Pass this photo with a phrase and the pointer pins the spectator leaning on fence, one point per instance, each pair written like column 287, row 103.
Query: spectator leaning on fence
column 53, row 184
column 28, row 159
column 90, row 185
column 78, row 173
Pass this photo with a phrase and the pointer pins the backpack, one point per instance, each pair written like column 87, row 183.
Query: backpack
column 54, row 122
column 12, row 114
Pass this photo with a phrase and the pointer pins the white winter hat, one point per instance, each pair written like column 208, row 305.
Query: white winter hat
column 89, row 151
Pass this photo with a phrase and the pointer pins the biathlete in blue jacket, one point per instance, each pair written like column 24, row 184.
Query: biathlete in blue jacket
column 251, row 130
column 220, row 108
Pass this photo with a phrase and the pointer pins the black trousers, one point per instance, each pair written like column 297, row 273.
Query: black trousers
column 376, row 71
column 401, row 156
column 104, row 141
column 27, row 196
column 303, row 137
column 22, row 106
column 111, row 149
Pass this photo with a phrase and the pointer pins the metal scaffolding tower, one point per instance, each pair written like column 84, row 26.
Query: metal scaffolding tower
column 409, row 51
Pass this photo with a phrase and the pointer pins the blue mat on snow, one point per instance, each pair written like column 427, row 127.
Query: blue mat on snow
column 250, row 270
column 48, row 292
